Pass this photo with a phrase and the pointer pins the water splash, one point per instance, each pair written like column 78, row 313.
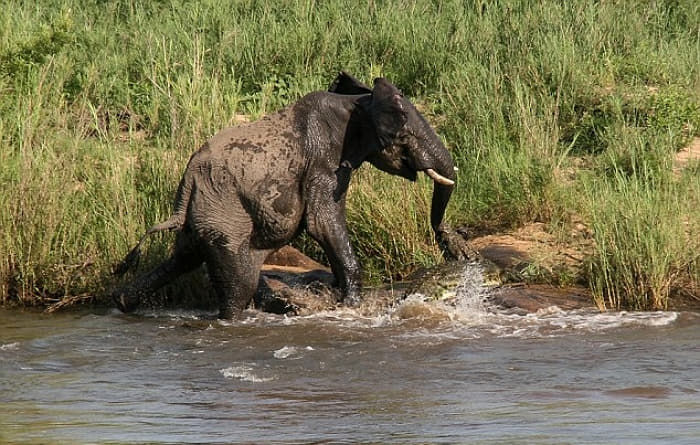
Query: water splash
column 465, row 312
column 467, row 304
column 9, row 346
column 472, row 291
column 290, row 352
column 244, row 373
column 469, row 313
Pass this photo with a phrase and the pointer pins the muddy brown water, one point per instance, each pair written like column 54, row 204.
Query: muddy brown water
column 422, row 372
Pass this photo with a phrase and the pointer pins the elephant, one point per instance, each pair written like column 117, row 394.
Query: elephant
column 252, row 188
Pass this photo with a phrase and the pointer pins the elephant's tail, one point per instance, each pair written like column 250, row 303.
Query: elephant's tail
column 131, row 261
column 175, row 222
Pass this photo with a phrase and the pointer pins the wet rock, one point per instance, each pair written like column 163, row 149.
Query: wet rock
column 534, row 297
column 288, row 256
column 292, row 283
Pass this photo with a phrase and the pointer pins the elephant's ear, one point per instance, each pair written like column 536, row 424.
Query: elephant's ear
column 344, row 83
column 386, row 111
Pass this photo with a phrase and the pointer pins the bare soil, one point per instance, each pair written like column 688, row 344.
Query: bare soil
column 685, row 157
column 519, row 249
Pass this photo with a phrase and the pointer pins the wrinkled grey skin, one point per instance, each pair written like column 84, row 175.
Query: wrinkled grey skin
column 251, row 189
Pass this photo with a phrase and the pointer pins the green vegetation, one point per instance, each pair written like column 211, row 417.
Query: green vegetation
column 552, row 109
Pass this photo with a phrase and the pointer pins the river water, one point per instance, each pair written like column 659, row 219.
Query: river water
column 455, row 372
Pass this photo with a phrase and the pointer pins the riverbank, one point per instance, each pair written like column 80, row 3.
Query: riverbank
column 557, row 114
column 294, row 284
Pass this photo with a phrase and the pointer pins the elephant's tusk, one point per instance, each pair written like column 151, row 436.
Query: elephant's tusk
column 437, row 177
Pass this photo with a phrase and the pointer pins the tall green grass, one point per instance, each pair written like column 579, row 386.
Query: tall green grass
column 102, row 102
column 646, row 236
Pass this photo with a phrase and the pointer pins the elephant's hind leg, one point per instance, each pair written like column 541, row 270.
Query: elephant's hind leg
column 234, row 276
column 182, row 261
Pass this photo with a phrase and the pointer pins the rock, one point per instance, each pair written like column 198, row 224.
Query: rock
column 292, row 283
column 534, row 297
column 288, row 256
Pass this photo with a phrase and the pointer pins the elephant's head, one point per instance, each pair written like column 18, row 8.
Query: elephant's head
column 387, row 131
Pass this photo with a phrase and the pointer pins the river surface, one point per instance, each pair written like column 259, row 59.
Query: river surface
column 419, row 373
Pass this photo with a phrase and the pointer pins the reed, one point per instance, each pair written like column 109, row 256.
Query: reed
column 646, row 243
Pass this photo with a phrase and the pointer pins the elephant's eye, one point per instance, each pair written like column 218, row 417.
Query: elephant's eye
column 404, row 139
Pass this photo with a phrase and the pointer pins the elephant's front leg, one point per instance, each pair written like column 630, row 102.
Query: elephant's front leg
column 326, row 224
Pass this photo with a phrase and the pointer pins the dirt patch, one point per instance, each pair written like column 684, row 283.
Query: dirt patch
column 535, row 269
column 686, row 156
column 533, row 254
column 239, row 118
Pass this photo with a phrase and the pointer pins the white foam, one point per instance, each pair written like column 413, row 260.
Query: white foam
column 554, row 321
column 244, row 373
column 464, row 313
column 175, row 314
column 471, row 314
column 9, row 346
column 468, row 314
column 290, row 352
column 285, row 352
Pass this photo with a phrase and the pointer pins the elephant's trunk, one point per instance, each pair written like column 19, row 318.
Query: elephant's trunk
column 441, row 196
column 443, row 174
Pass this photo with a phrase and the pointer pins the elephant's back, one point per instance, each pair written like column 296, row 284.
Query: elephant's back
column 250, row 175
column 270, row 145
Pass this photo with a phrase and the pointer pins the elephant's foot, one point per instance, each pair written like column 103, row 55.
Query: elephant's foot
column 126, row 299
column 352, row 298
column 229, row 313
column 232, row 309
